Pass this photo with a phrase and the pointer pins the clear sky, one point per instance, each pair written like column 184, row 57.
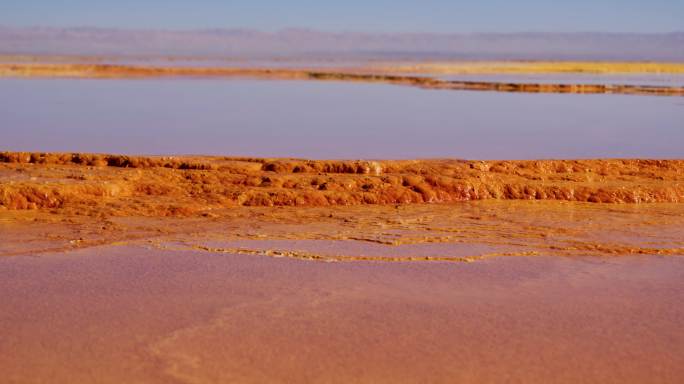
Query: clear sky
column 361, row 15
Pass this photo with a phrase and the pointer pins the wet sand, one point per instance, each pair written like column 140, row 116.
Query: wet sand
column 135, row 314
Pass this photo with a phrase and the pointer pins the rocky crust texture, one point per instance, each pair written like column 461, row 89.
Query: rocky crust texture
column 180, row 186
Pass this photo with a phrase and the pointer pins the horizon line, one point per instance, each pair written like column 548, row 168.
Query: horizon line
column 325, row 31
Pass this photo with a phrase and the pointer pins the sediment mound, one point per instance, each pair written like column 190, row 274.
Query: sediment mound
column 160, row 186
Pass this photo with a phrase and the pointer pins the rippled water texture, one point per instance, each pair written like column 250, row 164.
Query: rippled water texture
column 130, row 314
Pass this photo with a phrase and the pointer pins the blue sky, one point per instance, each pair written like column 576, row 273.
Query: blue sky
column 341, row 15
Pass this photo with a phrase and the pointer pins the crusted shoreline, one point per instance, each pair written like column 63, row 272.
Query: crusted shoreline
column 181, row 186
column 109, row 71
column 58, row 202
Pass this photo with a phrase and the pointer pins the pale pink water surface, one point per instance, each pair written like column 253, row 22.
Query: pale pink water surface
column 134, row 314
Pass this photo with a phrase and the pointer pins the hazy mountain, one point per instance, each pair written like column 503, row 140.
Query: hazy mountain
column 243, row 43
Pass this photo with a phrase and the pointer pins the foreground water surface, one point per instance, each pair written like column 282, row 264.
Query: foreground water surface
column 132, row 314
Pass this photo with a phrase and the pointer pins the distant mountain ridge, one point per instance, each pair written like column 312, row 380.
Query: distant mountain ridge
column 247, row 43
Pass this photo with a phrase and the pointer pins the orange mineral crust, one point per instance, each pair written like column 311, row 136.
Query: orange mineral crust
column 176, row 186
column 52, row 202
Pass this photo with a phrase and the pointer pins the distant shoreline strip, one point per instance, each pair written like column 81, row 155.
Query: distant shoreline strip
column 107, row 71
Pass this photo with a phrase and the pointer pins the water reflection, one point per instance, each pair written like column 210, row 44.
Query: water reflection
column 330, row 120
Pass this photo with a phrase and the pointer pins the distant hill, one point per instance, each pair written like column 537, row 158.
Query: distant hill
column 243, row 43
